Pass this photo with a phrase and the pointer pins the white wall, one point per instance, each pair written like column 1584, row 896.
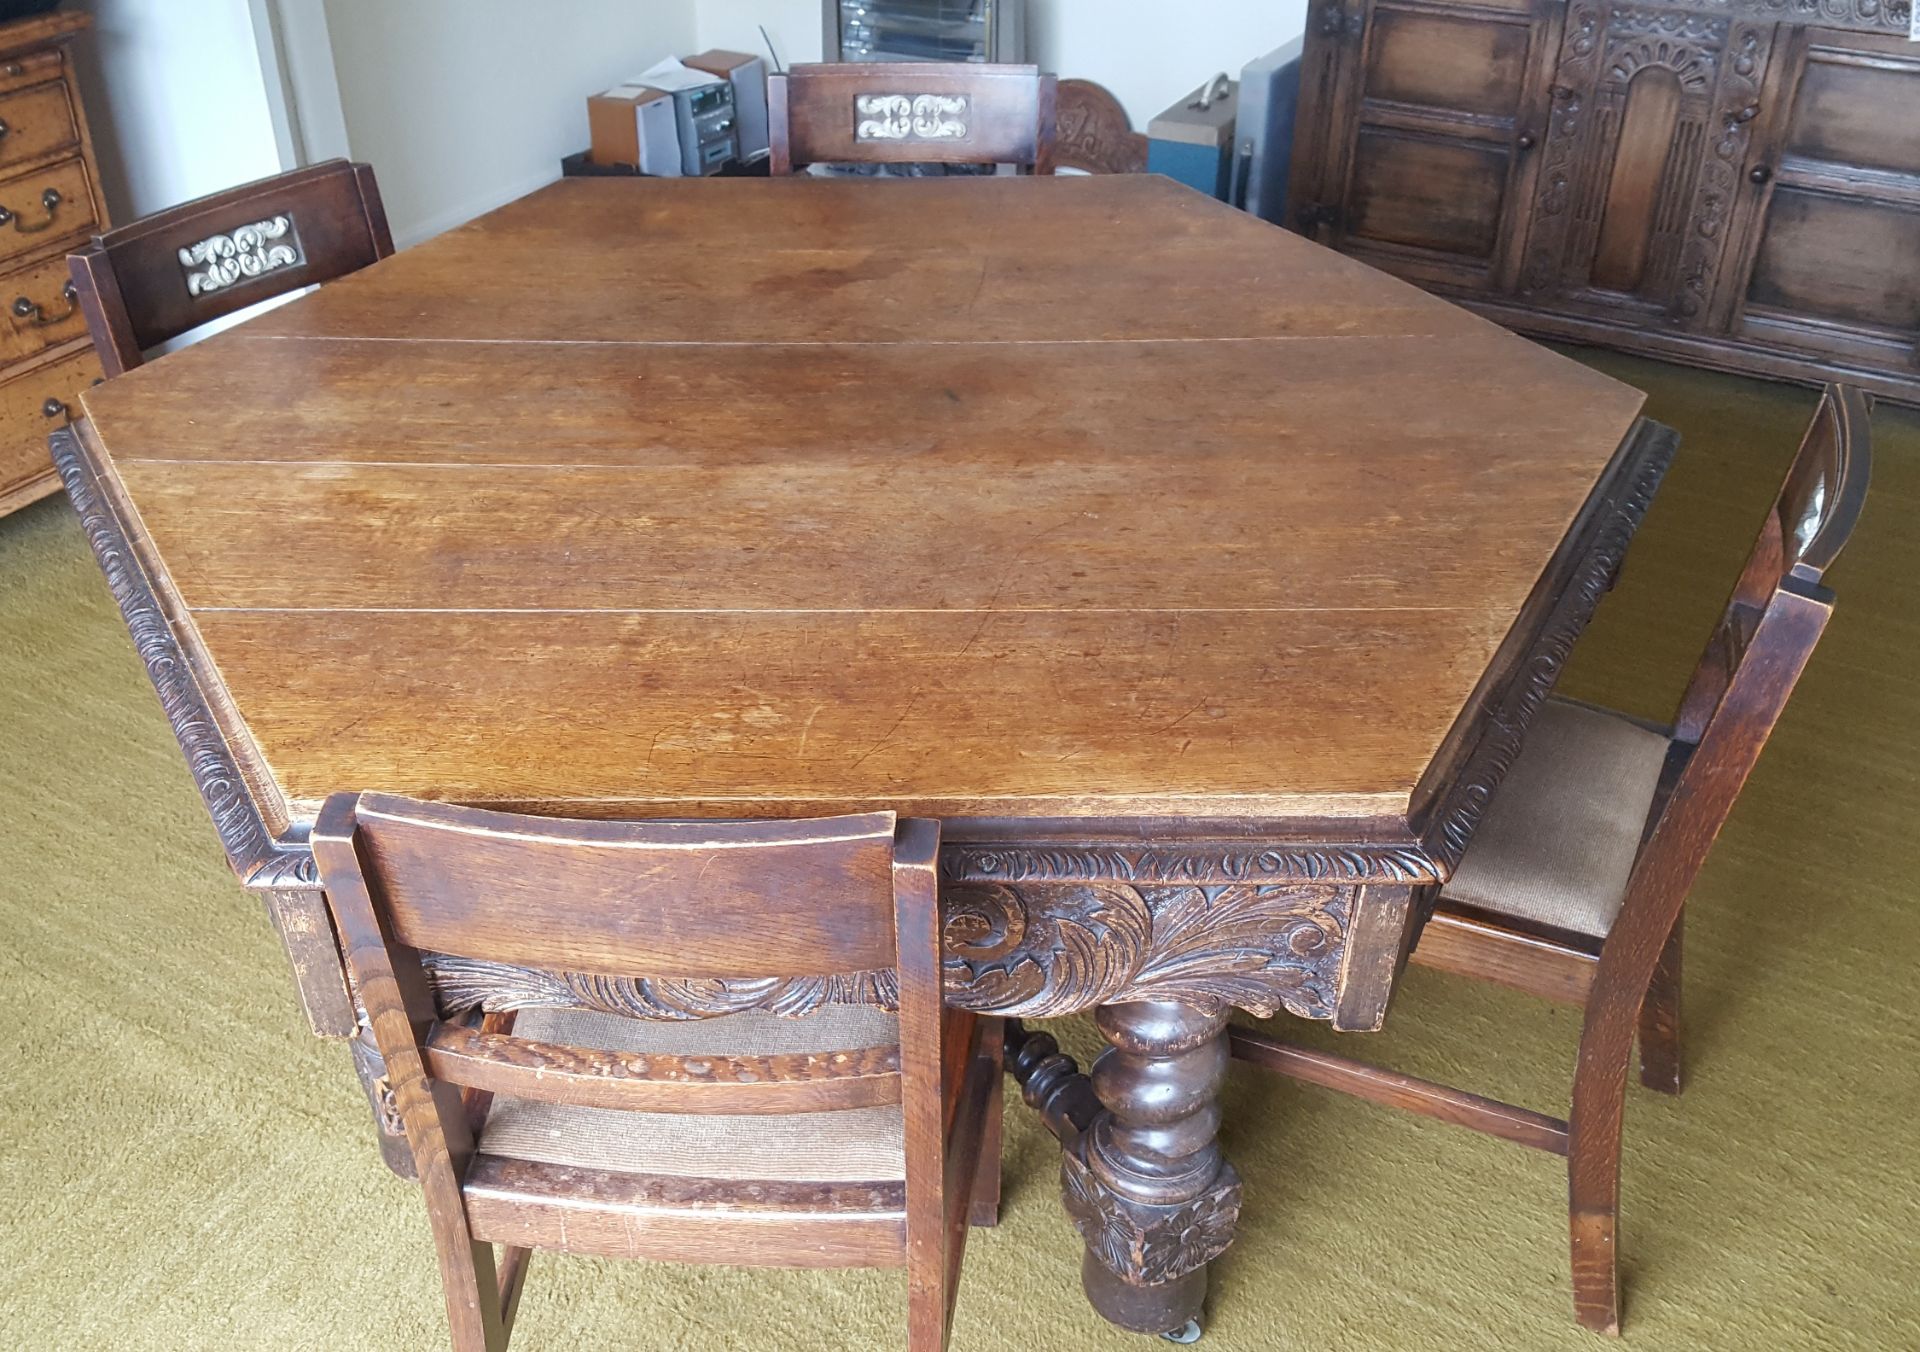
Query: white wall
column 462, row 105
column 1148, row 52
column 177, row 100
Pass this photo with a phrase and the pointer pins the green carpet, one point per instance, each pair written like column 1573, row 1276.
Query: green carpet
column 182, row 1166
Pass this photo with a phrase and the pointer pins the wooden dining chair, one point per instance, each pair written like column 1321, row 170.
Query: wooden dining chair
column 1093, row 132
column 911, row 112
column 507, row 965
column 1573, row 886
column 169, row 273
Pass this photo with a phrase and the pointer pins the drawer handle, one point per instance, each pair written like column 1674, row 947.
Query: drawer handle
column 54, row 408
column 4, row 128
column 25, row 308
column 50, row 199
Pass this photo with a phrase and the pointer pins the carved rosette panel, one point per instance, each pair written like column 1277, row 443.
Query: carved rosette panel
column 1034, row 951
column 256, row 856
column 253, row 250
column 1149, row 1244
column 910, row 117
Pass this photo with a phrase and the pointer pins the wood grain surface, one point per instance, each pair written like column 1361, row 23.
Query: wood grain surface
column 1022, row 497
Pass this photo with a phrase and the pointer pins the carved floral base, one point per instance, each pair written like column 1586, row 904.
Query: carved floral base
column 1149, row 1245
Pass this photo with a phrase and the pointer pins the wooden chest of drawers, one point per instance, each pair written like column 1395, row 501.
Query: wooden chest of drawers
column 49, row 203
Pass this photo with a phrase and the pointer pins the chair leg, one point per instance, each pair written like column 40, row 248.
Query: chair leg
column 926, row 1316
column 1660, row 1063
column 1593, row 1212
column 1594, row 1128
column 477, row 1316
column 983, row 1208
column 1596, row 1268
column 512, row 1281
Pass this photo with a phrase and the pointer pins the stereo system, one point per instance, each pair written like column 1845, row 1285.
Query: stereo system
column 683, row 118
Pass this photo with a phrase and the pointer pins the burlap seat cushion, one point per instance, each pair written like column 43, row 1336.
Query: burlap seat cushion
column 1559, row 839
column 854, row 1145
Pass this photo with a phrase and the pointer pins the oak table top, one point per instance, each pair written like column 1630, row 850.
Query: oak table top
column 1033, row 498
column 1202, row 581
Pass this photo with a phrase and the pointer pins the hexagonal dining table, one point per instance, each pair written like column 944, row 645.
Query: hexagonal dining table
column 1201, row 581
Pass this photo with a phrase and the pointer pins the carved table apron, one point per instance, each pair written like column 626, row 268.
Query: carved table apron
column 1165, row 939
column 1201, row 582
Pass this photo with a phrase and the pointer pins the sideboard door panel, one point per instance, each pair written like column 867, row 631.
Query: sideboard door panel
column 1632, row 221
column 1428, row 174
column 1844, row 260
column 1653, row 110
column 1836, row 269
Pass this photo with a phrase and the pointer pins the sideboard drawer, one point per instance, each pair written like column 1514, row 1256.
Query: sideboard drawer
column 35, row 123
column 30, row 68
column 38, row 310
column 39, row 207
column 32, row 405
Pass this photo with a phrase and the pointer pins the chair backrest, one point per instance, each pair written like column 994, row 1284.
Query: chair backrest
column 1093, row 132
column 738, row 901
column 1805, row 530
column 1754, row 658
column 169, row 273
column 895, row 112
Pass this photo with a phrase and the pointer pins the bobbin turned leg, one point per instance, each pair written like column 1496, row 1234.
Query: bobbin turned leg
column 1146, row 1184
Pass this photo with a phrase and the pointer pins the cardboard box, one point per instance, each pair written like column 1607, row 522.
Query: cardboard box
column 635, row 125
column 748, row 76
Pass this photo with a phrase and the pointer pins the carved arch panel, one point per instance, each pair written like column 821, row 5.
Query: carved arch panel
column 1644, row 149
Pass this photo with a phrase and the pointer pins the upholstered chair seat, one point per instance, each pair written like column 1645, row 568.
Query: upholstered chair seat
column 850, row 1145
column 1558, row 841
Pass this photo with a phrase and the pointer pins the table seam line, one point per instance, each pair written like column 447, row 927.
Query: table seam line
column 839, row 610
column 844, row 342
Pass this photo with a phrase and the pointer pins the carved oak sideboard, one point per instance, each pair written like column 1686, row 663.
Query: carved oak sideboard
column 1731, row 183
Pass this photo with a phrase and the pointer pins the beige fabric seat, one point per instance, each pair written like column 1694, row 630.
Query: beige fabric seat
column 1559, row 839
column 849, row 1146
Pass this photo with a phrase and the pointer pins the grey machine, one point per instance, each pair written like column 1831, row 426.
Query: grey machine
column 1263, row 131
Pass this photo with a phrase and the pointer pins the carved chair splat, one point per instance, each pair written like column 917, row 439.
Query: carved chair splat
column 911, row 113
column 851, row 1137
column 171, row 272
column 1093, row 132
column 1589, row 911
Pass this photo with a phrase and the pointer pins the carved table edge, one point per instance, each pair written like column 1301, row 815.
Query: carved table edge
column 1628, row 486
column 258, row 858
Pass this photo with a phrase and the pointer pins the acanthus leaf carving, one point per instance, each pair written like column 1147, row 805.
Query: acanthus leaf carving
column 1038, row 951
